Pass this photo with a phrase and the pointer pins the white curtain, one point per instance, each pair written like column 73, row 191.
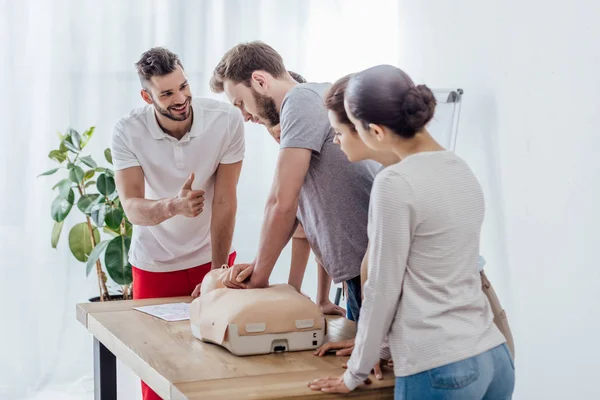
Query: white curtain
column 70, row 63
column 528, row 128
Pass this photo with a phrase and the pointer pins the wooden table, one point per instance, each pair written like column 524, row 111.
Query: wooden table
column 178, row 366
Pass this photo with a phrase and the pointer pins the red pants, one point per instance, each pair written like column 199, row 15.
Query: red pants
column 149, row 285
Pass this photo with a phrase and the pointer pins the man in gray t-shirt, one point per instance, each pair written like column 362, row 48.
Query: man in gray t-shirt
column 314, row 180
column 334, row 201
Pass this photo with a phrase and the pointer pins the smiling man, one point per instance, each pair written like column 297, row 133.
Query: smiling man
column 177, row 162
column 312, row 177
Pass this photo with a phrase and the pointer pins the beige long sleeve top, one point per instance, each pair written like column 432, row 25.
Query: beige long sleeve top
column 423, row 289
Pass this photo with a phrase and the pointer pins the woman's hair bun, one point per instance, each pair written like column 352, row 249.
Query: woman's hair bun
column 417, row 108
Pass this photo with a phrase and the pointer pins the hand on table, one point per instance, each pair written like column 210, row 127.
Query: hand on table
column 337, row 385
column 331, row 385
column 344, row 348
column 328, row 308
column 377, row 369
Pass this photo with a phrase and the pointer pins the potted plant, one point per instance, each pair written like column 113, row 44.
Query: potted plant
column 102, row 239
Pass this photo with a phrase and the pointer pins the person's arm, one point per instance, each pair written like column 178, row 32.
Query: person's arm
column 300, row 255
column 280, row 212
column 224, row 205
column 323, row 285
column 129, row 179
column 141, row 211
column 224, row 208
column 385, row 353
column 390, row 231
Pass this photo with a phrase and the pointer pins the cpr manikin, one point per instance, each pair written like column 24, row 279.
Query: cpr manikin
column 255, row 321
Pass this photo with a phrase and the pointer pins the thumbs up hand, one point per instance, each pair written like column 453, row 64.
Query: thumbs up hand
column 189, row 202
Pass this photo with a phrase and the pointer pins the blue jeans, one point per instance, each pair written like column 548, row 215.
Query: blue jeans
column 354, row 300
column 488, row 376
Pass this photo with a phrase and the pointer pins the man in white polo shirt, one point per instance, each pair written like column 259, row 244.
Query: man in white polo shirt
column 177, row 162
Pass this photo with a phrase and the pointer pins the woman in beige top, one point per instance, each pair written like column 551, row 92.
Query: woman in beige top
column 356, row 150
column 423, row 290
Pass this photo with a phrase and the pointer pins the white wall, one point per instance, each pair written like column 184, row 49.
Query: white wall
column 530, row 74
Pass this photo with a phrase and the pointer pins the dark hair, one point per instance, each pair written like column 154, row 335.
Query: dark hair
column 241, row 61
column 334, row 100
column 297, row 77
column 157, row 61
column 385, row 95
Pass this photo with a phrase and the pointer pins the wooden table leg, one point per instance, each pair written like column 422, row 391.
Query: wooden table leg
column 105, row 373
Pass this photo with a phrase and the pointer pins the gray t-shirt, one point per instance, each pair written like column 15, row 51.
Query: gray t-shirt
column 334, row 200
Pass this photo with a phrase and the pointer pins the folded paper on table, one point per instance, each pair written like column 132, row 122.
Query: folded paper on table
column 168, row 312
column 255, row 321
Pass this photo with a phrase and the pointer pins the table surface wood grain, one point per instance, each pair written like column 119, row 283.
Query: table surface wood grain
column 178, row 366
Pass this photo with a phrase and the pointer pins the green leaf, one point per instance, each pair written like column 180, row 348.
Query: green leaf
column 86, row 136
column 58, row 155
column 100, row 169
column 49, row 172
column 71, row 196
column 113, row 196
column 112, row 233
column 96, row 204
column 105, row 184
column 70, row 146
column 64, row 187
column 60, row 182
column 61, row 207
column 94, row 255
column 75, row 138
column 85, row 201
column 56, row 230
column 76, row 174
column 109, row 172
column 90, row 183
column 113, row 218
column 116, row 260
column 87, row 160
column 80, row 241
column 62, row 148
column 88, row 174
column 98, row 215
column 108, row 156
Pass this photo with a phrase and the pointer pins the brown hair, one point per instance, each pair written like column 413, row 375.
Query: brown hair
column 157, row 61
column 297, row 77
column 334, row 100
column 241, row 61
column 385, row 95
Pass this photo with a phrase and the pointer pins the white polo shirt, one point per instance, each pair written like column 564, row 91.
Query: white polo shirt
column 216, row 137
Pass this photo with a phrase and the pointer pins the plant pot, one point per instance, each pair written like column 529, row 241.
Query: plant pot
column 112, row 297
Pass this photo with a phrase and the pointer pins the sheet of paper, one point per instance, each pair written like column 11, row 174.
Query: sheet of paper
column 168, row 312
